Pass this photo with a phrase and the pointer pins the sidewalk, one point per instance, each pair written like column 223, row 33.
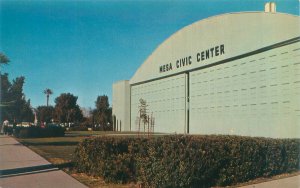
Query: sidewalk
column 290, row 182
column 21, row 167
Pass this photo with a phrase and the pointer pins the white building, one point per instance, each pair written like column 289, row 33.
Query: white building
column 236, row 73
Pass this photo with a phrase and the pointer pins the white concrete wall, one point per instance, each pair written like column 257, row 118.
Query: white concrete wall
column 254, row 96
column 166, row 103
column 121, row 105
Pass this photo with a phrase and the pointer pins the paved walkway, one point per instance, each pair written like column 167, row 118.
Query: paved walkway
column 21, row 167
column 291, row 182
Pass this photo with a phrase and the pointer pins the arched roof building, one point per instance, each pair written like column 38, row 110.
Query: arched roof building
column 236, row 73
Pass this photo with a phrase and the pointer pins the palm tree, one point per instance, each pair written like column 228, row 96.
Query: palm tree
column 3, row 59
column 48, row 92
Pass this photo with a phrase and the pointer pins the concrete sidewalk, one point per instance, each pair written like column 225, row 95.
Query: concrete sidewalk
column 21, row 167
column 290, row 182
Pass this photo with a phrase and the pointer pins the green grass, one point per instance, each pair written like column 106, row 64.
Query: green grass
column 56, row 150
column 89, row 133
column 111, row 133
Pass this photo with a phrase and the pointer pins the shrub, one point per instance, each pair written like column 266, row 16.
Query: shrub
column 108, row 157
column 38, row 132
column 8, row 130
column 187, row 161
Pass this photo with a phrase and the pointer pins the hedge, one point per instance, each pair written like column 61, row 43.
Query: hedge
column 186, row 161
column 39, row 132
column 8, row 130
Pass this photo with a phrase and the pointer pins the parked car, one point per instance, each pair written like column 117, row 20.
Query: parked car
column 24, row 124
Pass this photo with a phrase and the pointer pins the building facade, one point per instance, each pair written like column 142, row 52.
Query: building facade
column 237, row 74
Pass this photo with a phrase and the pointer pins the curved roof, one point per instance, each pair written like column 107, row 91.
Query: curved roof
column 237, row 33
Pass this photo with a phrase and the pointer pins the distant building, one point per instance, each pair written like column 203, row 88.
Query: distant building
column 236, row 73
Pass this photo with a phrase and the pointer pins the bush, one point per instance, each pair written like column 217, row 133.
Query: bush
column 38, row 132
column 107, row 157
column 187, row 161
column 8, row 130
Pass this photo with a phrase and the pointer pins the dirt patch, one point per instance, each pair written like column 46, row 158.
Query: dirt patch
column 58, row 160
column 97, row 182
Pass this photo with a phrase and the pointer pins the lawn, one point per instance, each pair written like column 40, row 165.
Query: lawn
column 112, row 133
column 56, row 150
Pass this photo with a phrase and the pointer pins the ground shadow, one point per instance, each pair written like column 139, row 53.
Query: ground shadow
column 34, row 169
column 50, row 143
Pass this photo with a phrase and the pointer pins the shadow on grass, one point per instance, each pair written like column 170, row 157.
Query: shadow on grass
column 78, row 135
column 65, row 165
column 50, row 143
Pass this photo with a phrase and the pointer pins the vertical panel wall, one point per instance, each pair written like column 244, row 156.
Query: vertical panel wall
column 121, row 104
column 166, row 100
column 258, row 95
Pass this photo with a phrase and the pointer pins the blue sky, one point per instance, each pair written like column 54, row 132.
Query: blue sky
column 83, row 47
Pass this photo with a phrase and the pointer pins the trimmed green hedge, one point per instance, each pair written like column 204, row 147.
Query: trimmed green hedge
column 39, row 132
column 8, row 130
column 187, row 161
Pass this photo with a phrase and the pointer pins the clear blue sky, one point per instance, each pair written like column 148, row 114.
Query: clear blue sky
column 83, row 47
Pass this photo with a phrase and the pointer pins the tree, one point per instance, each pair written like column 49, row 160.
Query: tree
column 103, row 114
column 48, row 92
column 66, row 109
column 26, row 113
column 45, row 113
column 14, row 106
column 4, row 92
column 87, row 120
column 3, row 59
column 143, row 112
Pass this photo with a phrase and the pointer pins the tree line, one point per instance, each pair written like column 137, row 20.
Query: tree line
column 67, row 111
column 16, row 108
